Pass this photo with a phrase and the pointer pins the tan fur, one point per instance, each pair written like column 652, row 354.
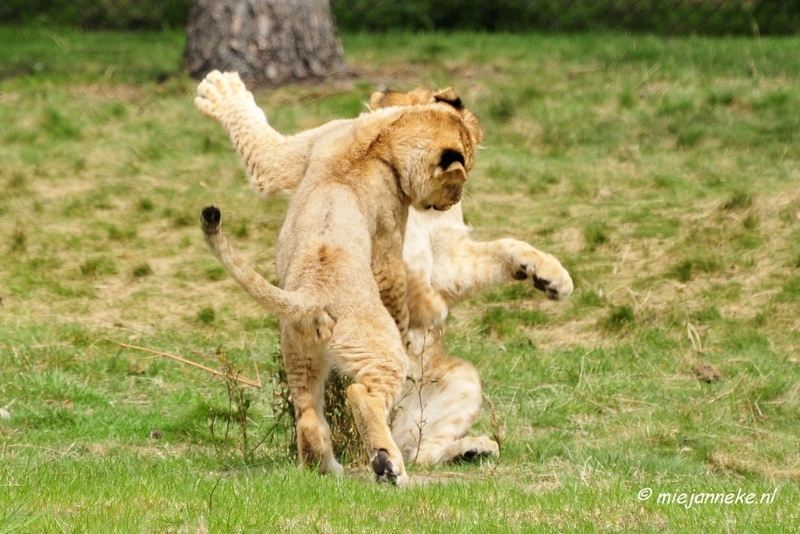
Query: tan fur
column 339, row 256
column 443, row 265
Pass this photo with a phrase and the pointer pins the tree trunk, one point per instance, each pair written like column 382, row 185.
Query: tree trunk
column 268, row 42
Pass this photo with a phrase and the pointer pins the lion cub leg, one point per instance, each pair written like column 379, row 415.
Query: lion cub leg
column 440, row 402
column 426, row 307
column 369, row 350
column 471, row 266
column 370, row 414
column 306, row 372
column 224, row 98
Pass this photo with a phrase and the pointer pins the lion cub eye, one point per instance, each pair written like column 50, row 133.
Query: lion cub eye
column 450, row 156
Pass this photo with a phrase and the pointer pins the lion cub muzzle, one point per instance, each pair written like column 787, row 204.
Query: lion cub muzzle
column 447, row 181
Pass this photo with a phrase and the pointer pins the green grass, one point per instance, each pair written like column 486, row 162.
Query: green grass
column 663, row 173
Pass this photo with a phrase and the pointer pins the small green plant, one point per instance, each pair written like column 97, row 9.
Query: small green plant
column 17, row 184
column 750, row 222
column 19, row 239
column 589, row 299
column 790, row 291
column 739, row 200
column 595, row 234
column 118, row 234
column 98, row 266
column 59, row 127
column 348, row 446
column 628, row 98
column 619, row 317
column 216, row 273
column 241, row 231
column 239, row 402
column 207, row 315
column 182, row 221
column 240, row 423
column 683, row 271
column 502, row 110
column 690, row 136
column 142, row 270
column 146, row 205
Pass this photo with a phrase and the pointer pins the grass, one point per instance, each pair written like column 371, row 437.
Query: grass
column 662, row 172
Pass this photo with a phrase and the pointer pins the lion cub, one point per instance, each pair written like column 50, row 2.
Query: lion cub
column 443, row 266
column 348, row 213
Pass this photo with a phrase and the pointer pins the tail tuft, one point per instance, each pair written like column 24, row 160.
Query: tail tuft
column 210, row 219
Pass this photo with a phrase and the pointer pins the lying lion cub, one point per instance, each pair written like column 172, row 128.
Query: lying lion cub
column 443, row 393
column 348, row 214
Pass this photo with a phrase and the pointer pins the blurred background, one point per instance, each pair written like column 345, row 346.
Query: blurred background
column 667, row 17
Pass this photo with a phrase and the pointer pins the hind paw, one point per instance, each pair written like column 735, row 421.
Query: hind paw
column 472, row 448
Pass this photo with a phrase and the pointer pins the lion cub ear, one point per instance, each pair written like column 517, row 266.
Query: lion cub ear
column 375, row 100
column 385, row 99
column 448, row 96
column 453, row 164
column 456, row 174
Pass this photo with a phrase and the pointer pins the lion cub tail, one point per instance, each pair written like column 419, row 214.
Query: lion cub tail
column 290, row 305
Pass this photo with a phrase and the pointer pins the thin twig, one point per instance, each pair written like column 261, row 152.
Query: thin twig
column 211, row 495
column 419, row 385
column 721, row 395
column 649, row 73
column 694, row 337
column 243, row 380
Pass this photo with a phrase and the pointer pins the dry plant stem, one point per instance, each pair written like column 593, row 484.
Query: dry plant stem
column 419, row 385
column 243, row 380
column 235, row 396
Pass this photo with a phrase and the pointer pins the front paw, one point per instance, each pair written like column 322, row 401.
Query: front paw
column 388, row 471
column 547, row 275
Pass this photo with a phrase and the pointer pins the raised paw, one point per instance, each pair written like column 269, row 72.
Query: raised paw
column 219, row 95
column 545, row 272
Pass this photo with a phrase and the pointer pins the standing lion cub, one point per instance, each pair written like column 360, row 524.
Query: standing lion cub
column 339, row 260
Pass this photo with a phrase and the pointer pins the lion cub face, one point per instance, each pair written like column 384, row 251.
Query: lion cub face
column 431, row 150
column 450, row 158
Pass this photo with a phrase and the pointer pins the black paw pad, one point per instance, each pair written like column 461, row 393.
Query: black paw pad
column 522, row 273
column 541, row 284
column 383, row 468
column 471, row 455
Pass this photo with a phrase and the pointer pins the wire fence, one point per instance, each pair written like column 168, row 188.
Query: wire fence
column 664, row 17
